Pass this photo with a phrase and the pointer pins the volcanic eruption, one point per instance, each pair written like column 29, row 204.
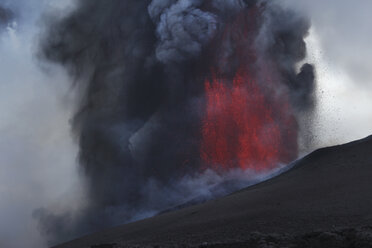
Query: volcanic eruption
column 249, row 120
column 171, row 89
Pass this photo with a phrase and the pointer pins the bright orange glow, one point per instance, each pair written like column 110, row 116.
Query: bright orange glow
column 238, row 129
column 248, row 121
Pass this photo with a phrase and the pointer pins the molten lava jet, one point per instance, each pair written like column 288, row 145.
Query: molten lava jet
column 248, row 120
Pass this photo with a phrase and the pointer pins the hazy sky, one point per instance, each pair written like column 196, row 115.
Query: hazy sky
column 339, row 44
column 38, row 153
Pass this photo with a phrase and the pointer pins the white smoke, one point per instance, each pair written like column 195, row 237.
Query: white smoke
column 37, row 152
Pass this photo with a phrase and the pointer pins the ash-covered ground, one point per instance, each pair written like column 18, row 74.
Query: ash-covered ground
column 345, row 238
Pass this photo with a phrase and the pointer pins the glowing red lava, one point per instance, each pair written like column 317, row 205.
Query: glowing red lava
column 246, row 125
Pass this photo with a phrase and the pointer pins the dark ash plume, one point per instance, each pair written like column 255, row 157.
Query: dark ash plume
column 130, row 127
column 281, row 39
column 182, row 28
column 6, row 17
column 138, row 67
column 107, row 46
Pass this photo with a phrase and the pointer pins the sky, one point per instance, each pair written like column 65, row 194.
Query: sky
column 339, row 46
column 38, row 153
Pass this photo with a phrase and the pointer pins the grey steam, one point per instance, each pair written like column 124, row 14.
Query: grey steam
column 140, row 68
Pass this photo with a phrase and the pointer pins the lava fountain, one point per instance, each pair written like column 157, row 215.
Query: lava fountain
column 248, row 122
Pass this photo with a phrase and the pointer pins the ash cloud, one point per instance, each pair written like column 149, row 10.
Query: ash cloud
column 110, row 44
column 6, row 16
column 127, row 108
column 182, row 29
column 136, row 66
column 282, row 39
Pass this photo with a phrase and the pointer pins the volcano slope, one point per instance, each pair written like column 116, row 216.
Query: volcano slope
column 325, row 200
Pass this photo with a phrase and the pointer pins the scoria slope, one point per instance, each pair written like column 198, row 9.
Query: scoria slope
column 327, row 191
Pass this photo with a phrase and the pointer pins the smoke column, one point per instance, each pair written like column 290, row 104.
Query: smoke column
column 171, row 92
column 37, row 153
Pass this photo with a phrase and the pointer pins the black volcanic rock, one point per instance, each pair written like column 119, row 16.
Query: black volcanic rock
column 323, row 201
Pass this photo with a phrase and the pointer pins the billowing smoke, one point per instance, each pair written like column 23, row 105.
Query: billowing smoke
column 182, row 29
column 151, row 76
column 37, row 153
